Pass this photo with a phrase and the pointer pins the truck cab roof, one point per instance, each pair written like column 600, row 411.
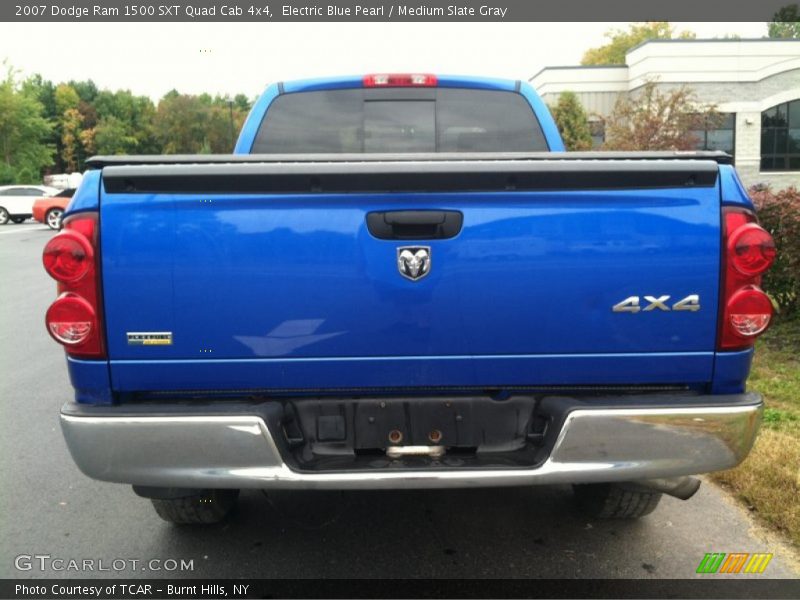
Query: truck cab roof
column 250, row 131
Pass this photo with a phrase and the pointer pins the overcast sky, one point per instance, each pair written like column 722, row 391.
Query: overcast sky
column 229, row 58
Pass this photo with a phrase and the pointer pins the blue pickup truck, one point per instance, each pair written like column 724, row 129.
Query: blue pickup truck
column 403, row 281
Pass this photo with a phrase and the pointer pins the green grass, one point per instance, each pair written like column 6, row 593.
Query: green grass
column 775, row 417
column 776, row 374
column 769, row 480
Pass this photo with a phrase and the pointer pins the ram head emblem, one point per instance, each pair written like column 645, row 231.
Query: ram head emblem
column 414, row 262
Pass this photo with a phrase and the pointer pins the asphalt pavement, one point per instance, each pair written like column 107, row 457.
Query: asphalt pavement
column 47, row 507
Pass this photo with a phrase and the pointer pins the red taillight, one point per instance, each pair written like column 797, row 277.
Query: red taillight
column 68, row 256
column 749, row 312
column 400, row 80
column 71, row 320
column 749, row 252
column 75, row 318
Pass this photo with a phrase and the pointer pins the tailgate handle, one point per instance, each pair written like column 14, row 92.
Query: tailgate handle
column 415, row 224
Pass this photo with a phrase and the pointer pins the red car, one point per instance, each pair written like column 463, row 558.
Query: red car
column 49, row 210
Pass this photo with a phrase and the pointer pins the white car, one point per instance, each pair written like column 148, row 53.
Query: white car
column 16, row 201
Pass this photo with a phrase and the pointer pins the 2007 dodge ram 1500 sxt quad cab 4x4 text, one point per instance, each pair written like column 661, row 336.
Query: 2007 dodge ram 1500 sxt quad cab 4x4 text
column 403, row 281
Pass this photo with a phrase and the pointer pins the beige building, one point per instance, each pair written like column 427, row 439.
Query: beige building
column 755, row 83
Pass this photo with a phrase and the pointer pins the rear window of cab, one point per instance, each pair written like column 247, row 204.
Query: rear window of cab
column 399, row 120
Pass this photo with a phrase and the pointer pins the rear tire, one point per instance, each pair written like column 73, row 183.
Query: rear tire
column 615, row 501
column 210, row 506
column 18, row 220
column 3, row 216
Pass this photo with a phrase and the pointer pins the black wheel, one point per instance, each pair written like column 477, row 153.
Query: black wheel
column 210, row 506
column 18, row 220
column 4, row 217
column 53, row 218
column 615, row 501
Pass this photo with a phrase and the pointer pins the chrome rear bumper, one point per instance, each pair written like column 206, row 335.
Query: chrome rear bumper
column 593, row 445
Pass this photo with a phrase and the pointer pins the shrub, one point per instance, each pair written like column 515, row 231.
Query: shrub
column 659, row 119
column 779, row 213
column 572, row 122
column 7, row 174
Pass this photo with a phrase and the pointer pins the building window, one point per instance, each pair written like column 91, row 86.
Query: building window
column 597, row 129
column 780, row 137
column 722, row 137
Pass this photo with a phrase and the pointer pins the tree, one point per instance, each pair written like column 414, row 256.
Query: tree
column 124, row 124
column 785, row 23
column 242, row 103
column 572, row 122
column 69, row 125
column 71, row 142
column 66, row 98
column 24, row 151
column 45, row 92
column 620, row 42
column 197, row 124
column 86, row 90
column 226, row 118
column 180, row 124
column 114, row 136
column 76, row 119
column 659, row 121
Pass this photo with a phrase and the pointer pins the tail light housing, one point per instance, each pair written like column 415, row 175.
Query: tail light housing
column 400, row 80
column 751, row 250
column 71, row 258
column 68, row 257
column 748, row 252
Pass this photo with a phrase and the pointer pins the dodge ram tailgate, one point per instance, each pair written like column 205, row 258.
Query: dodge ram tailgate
column 377, row 273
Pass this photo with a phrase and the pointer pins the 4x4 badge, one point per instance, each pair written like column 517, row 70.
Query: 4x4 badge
column 631, row 304
column 414, row 262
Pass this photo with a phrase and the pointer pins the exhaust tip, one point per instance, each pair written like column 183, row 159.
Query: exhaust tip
column 679, row 487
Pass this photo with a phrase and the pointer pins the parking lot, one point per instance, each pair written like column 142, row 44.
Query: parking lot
column 50, row 508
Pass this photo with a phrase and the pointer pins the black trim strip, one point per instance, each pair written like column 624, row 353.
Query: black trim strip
column 416, row 390
column 403, row 176
column 101, row 161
